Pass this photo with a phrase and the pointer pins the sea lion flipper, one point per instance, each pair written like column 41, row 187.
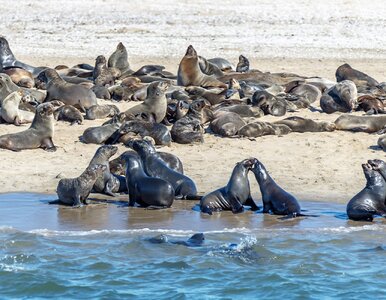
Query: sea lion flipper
column 48, row 145
column 236, row 205
column 250, row 202
column 77, row 202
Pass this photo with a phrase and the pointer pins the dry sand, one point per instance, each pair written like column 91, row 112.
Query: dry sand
column 308, row 38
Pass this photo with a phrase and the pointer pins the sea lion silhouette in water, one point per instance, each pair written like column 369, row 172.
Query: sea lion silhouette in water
column 234, row 195
column 196, row 240
column 370, row 201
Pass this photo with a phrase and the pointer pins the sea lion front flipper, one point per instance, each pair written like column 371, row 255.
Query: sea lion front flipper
column 250, row 202
column 236, row 205
column 77, row 202
column 48, row 145
column 108, row 188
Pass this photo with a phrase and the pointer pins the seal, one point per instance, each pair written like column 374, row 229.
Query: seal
column 209, row 68
column 189, row 129
column 75, row 191
column 346, row 72
column 101, row 92
column 306, row 93
column 213, row 97
column 38, row 135
column 155, row 102
column 145, row 190
column 68, row 113
column 269, row 104
column 242, row 109
column 189, row 72
column 275, row 199
column 154, row 166
column 20, row 77
column 367, row 124
column 196, row 240
column 382, row 142
column 226, row 123
column 100, row 134
column 101, row 111
column 371, row 105
column 69, row 93
column 243, row 64
column 222, row 63
column 370, row 201
column 101, row 74
column 119, row 59
column 234, row 195
column 299, row 124
column 7, row 87
column 11, row 113
column 341, row 97
column 257, row 129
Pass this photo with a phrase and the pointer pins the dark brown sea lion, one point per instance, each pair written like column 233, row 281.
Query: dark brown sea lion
column 370, row 201
column 341, row 97
column 307, row 92
column 70, row 94
column 269, row 104
column 75, row 191
column 119, row 59
column 68, row 113
column 299, row 124
column 101, row 111
column 243, row 64
column 10, row 111
column 189, row 129
column 226, row 123
column 367, row 124
column 234, row 195
column 38, row 135
column 189, row 72
column 20, row 77
column 346, row 72
column 371, row 105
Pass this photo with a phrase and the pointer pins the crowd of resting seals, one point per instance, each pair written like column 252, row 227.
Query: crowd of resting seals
column 175, row 108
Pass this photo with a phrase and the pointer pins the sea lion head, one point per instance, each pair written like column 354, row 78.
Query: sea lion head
column 377, row 164
column 95, row 171
column 5, row 51
column 243, row 64
column 47, row 75
column 107, row 150
column 348, row 93
column 259, row 170
column 369, row 171
column 197, row 105
column 45, row 109
column 120, row 47
column 248, row 163
column 100, row 60
column 196, row 239
column 157, row 88
column 142, row 147
column 191, row 51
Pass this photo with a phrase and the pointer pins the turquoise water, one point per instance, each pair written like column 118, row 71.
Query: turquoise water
column 43, row 256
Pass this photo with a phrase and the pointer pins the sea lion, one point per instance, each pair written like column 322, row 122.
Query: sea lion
column 209, row 68
column 151, row 70
column 75, row 191
column 7, row 86
column 257, row 129
column 145, row 190
column 154, row 166
column 341, row 97
column 269, row 104
column 11, row 113
column 70, row 94
column 189, row 129
column 299, row 124
column 68, row 113
column 155, row 102
column 101, row 74
column 222, row 63
column 308, row 93
column 20, row 77
column 101, row 92
column 38, row 135
column 189, row 72
column 371, row 105
column 196, row 240
column 382, row 142
column 370, row 201
column 275, row 199
column 226, row 123
column 213, row 97
column 100, row 134
column 242, row 109
column 346, row 72
column 243, row 64
column 101, row 111
column 234, row 195
column 367, row 124
column 107, row 183
column 119, row 59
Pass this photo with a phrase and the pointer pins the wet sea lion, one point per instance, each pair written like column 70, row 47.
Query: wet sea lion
column 38, row 135
column 234, row 195
column 257, row 129
column 367, row 124
column 119, row 59
column 341, row 97
column 155, row 102
column 101, row 111
column 226, row 123
column 68, row 113
column 11, row 113
column 20, row 77
column 70, row 94
column 370, row 201
column 346, row 72
column 243, row 64
column 299, row 124
column 269, row 104
column 75, row 191
column 189, row 72
column 189, row 129
column 154, row 166
column 145, row 190
column 196, row 240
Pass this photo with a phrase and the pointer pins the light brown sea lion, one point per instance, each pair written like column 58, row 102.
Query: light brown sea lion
column 341, row 97
column 258, row 129
column 38, row 135
column 299, row 124
column 20, row 77
column 155, row 102
column 189, row 72
column 367, row 124
column 71, row 94
column 101, row 111
column 239, row 108
column 119, row 59
column 11, row 113
column 68, row 113
column 226, row 123
column 346, row 72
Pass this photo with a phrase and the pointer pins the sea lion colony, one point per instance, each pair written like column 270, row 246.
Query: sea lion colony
column 207, row 96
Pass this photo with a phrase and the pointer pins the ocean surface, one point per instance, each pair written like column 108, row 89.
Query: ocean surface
column 104, row 251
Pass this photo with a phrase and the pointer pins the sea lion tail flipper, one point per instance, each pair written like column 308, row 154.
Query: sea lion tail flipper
column 57, row 201
column 153, row 207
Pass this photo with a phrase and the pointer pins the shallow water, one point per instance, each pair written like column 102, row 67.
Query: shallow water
column 102, row 251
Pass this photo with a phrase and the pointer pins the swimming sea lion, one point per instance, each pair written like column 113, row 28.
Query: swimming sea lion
column 196, row 240
column 370, row 201
column 11, row 113
column 68, row 113
column 299, row 124
column 101, row 111
column 38, row 135
column 74, row 191
column 234, row 195
column 341, row 97
column 367, row 124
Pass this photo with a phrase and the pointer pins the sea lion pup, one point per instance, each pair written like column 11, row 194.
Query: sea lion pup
column 189, row 129
column 275, row 199
column 7, row 87
column 155, row 102
column 189, row 72
column 367, row 124
column 341, row 97
column 346, row 72
column 68, row 113
column 269, row 104
column 371, row 105
column 101, row 74
column 212, row 97
column 20, row 77
column 370, row 201
column 106, row 183
column 7, row 59
column 209, row 68
column 143, row 189
column 308, row 93
column 222, row 63
column 11, row 113
column 101, row 111
column 238, row 107
column 243, row 64
column 154, row 166
column 69, row 93
column 119, row 59
column 75, row 191
column 38, row 135
column 196, row 240
column 226, row 123
column 299, row 124
column 234, row 195
column 101, row 92
column 100, row 134
column 257, row 129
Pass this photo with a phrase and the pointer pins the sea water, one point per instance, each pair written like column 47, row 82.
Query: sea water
column 103, row 252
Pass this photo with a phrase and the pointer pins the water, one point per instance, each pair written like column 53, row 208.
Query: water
column 102, row 251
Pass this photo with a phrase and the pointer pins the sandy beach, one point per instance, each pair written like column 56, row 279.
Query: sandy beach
column 276, row 37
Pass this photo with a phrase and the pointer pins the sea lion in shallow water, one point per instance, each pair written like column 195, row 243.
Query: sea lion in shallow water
column 234, row 195
column 370, row 201
column 196, row 240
